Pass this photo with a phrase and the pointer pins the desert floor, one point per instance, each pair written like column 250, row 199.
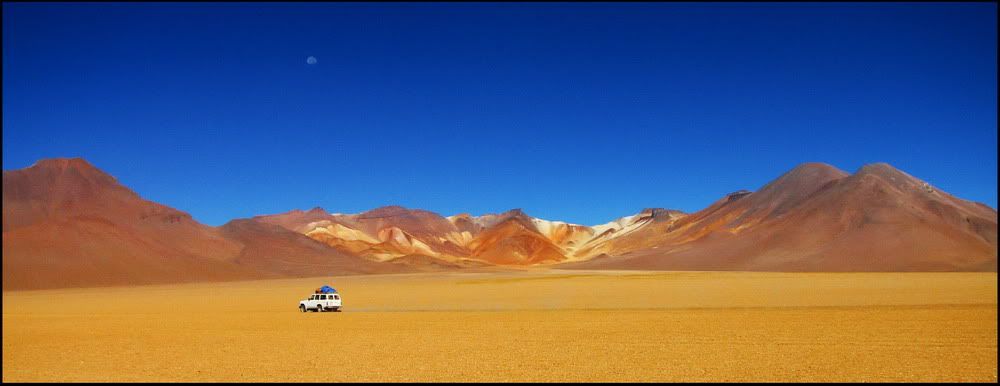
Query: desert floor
column 516, row 326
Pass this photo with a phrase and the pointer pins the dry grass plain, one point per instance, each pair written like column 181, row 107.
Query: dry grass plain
column 516, row 326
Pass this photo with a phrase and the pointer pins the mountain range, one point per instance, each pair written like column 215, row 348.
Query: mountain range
column 68, row 224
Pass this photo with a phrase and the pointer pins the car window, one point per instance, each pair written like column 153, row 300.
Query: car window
column 336, row 297
column 312, row 297
column 322, row 297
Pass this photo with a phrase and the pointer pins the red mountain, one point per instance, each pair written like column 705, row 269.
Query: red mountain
column 513, row 239
column 66, row 223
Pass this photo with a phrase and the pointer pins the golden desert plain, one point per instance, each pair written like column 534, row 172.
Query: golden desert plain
column 524, row 325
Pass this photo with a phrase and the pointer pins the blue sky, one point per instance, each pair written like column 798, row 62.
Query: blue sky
column 575, row 112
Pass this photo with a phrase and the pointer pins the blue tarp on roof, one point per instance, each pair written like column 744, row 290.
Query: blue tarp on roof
column 327, row 289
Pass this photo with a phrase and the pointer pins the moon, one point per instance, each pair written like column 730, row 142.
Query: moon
column 311, row 60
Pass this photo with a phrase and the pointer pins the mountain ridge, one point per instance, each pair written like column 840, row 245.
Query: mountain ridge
column 68, row 220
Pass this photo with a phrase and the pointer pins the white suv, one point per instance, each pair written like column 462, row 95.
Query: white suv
column 320, row 303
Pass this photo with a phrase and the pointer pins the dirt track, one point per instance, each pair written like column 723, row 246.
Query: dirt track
column 532, row 326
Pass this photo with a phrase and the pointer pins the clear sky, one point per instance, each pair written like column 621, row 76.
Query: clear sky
column 575, row 112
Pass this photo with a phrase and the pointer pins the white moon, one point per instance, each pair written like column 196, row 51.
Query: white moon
column 311, row 60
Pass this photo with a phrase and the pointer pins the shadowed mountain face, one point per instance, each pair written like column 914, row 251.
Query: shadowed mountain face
column 66, row 223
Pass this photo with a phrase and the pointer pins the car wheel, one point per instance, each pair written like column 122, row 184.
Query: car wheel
column 319, row 308
column 302, row 307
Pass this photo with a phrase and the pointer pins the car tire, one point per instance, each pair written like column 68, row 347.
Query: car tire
column 319, row 308
column 302, row 307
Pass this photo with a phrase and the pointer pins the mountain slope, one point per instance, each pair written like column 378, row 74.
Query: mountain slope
column 68, row 224
column 274, row 249
column 509, row 238
column 513, row 239
column 817, row 218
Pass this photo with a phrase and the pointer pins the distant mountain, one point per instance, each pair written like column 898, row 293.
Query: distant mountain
column 66, row 223
column 271, row 248
column 509, row 238
column 514, row 238
column 381, row 234
column 819, row 218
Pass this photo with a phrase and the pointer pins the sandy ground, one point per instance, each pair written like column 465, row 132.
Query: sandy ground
column 529, row 326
